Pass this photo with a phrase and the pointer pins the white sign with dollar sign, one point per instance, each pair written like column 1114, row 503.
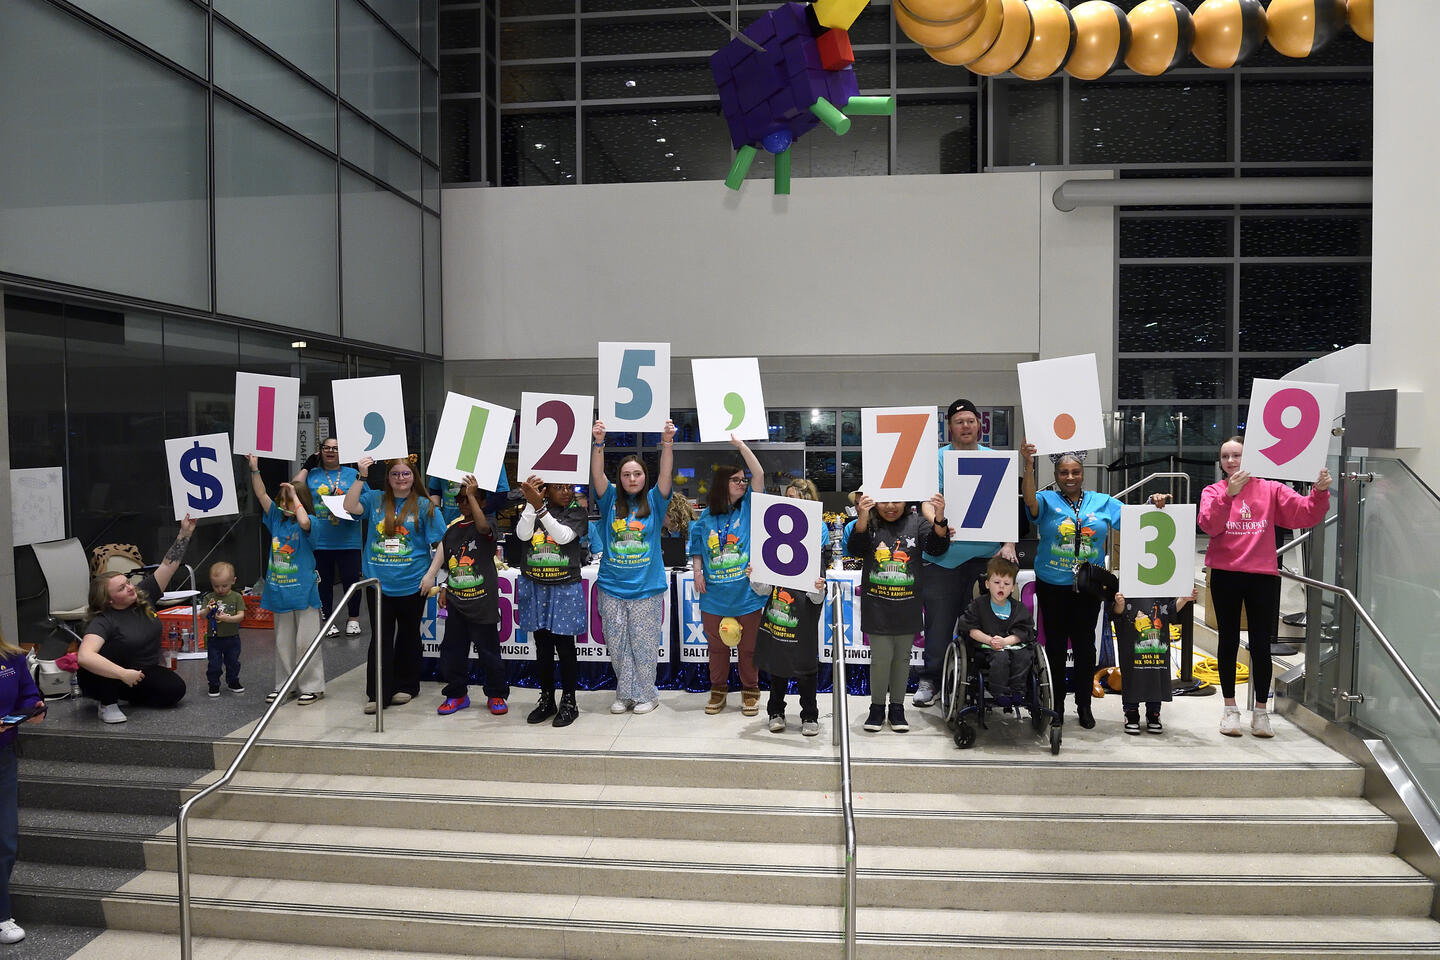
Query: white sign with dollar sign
column 202, row 476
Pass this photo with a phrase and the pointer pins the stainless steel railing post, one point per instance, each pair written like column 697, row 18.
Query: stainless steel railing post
column 841, row 725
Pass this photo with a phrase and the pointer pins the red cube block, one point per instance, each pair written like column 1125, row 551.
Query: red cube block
column 835, row 52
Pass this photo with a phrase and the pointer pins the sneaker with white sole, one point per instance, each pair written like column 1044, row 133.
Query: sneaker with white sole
column 11, row 932
column 645, row 706
column 924, row 693
column 1230, row 722
column 397, row 699
column 110, row 713
column 876, row 720
column 334, row 631
column 352, row 629
column 810, row 728
column 777, row 724
column 620, row 706
column 1260, row 725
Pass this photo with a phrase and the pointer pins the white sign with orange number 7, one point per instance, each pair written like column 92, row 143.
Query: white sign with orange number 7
column 898, row 447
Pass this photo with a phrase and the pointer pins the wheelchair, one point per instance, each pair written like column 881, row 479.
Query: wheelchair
column 964, row 697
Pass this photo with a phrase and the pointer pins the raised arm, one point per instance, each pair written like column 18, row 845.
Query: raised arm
column 258, row 485
column 1027, row 477
column 302, row 516
column 597, row 460
column 757, row 472
column 470, row 490
column 667, row 459
column 352, row 496
column 175, row 554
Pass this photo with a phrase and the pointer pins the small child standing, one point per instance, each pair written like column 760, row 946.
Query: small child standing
column 1144, row 629
column 224, row 609
column 788, row 645
column 1003, row 626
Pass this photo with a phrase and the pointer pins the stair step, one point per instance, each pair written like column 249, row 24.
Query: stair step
column 132, row 945
column 89, row 839
column 45, row 742
column 100, row 787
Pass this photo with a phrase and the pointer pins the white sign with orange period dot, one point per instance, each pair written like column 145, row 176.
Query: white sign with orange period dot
column 1060, row 402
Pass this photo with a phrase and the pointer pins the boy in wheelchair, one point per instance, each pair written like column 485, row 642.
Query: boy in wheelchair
column 1002, row 635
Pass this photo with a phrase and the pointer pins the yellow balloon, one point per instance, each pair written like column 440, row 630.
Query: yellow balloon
column 1051, row 42
column 938, row 33
column 1010, row 46
column 1161, row 34
column 1362, row 18
column 976, row 44
column 1102, row 36
column 1298, row 28
column 1228, row 32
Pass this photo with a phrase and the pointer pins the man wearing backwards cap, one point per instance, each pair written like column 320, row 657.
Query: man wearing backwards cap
column 949, row 578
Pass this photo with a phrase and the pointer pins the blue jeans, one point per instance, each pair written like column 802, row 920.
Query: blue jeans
column 223, row 651
column 9, row 825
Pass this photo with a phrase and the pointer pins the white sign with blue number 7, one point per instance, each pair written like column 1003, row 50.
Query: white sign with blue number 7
column 1157, row 551
column 785, row 541
column 634, row 385
column 981, row 494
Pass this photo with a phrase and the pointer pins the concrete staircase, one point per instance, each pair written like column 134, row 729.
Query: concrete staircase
column 732, row 847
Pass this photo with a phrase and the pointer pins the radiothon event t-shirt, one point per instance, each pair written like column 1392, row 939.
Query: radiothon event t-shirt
column 549, row 562
column 470, row 572
column 722, row 542
column 787, row 644
column 327, row 531
column 630, row 563
column 1143, row 634
column 400, row 558
column 891, row 581
column 449, row 492
column 1071, row 534
column 290, row 575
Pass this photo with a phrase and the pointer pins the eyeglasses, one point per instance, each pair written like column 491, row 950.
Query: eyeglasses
column 330, row 448
column 739, row 480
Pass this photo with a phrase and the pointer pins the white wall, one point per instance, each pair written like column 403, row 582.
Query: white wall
column 1405, row 281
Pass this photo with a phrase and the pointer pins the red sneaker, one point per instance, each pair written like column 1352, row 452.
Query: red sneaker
column 497, row 706
column 452, row 704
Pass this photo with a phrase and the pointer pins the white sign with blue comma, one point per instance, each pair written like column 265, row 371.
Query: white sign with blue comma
column 202, row 476
column 370, row 418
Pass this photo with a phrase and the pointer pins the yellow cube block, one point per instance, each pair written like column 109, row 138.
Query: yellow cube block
column 838, row 13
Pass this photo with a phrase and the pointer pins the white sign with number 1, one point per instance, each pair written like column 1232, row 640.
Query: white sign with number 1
column 1157, row 551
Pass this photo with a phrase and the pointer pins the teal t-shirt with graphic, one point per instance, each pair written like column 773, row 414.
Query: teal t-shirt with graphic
column 290, row 573
column 449, row 490
column 722, row 542
column 629, row 547
column 328, row 532
column 399, row 559
column 1068, row 533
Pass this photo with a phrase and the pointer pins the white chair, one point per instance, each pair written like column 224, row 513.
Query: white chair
column 67, row 580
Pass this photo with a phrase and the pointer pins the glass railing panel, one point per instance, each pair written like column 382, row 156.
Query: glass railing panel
column 1391, row 709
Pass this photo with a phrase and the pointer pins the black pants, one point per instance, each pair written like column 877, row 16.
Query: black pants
column 223, row 651
column 1259, row 593
column 161, row 687
column 1068, row 617
column 347, row 564
column 400, row 650
column 946, row 594
column 548, row 646
column 809, row 708
column 460, row 633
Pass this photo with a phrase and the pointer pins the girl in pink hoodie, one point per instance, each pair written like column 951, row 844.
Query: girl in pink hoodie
column 1240, row 514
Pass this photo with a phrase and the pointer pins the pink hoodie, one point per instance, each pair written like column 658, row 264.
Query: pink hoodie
column 1242, row 528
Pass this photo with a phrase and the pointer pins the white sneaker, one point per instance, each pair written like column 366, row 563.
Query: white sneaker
column 810, row 728
column 777, row 724
column 334, row 631
column 352, row 629
column 1260, row 725
column 924, row 694
column 645, row 706
column 1230, row 722
column 109, row 713
column 619, row 706
column 12, row 932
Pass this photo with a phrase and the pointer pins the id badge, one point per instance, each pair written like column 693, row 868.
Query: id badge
column 392, row 546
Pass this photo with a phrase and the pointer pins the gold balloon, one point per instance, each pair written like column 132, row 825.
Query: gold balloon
column 940, row 11
column 1161, row 34
column 1228, row 32
column 1102, row 36
column 929, row 33
column 975, row 45
column 1010, row 46
column 1298, row 28
column 1052, row 40
column 1362, row 18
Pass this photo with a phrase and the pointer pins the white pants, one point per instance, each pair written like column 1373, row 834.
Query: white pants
column 293, row 633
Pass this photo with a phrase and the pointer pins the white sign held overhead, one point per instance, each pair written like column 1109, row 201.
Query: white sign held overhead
column 202, row 476
column 785, row 541
column 728, row 399
column 634, row 386
column 1060, row 402
column 267, row 415
column 370, row 418
column 555, row 437
column 1287, row 435
column 471, row 439
column 898, row 447
column 981, row 491
column 1157, row 551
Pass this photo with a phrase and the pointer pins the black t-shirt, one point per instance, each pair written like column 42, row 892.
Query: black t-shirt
column 549, row 562
column 891, row 551
column 788, row 643
column 132, row 635
column 470, row 567
column 1142, row 643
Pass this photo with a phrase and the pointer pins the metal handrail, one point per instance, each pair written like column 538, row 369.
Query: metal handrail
column 841, row 737
column 1305, row 536
column 182, row 831
column 1380, row 637
column 1166, row 475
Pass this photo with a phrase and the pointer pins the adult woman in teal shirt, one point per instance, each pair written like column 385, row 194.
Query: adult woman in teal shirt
column 632, row 579
column 719, row 556
column 336, row 540
column 290, row 592
column 401, row 526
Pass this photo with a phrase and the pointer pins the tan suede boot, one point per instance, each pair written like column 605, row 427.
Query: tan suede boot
column 750, row 702
column 717, row 702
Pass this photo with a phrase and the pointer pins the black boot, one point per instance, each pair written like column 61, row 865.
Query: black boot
column 1087, row 719
column 568, row 711
column 545, row 709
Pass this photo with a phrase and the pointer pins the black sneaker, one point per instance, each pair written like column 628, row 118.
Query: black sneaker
column 876, row 720
column 897, row 718
column 214, row 690
column 544, row 709
column 567, row 713
column 1153, row 724
column 236, row 687
column 1132, row 724
column 1087, row 719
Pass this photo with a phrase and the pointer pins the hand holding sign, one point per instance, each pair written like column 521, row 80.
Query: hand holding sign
column 981, row 487
column 370, row 418
column 898, row 446
column 728, row 399
column 635, row 385
column 1287, row 435
column 471, row 438
column 265, row 415
column 785, row 541
column 202, row 480
column 1060, row 400
column 552, row 438
column 1157, row 551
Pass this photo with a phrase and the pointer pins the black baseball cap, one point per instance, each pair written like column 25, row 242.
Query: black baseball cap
column 959, row 405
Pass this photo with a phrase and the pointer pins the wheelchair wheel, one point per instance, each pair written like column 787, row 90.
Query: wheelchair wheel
column 1043, row 708
column 953, row 683
column 964, row 736
column 1054, row 740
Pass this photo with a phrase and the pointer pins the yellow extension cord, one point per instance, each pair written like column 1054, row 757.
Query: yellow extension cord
column 1207, row 669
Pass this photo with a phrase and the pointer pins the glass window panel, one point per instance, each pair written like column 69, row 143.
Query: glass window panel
column 934, row 136
column 1307, row 120
column 381, row 265
column 786, row 426
column 1154, row 121
column 530, row 83
column 647, row 78
column 301, row 31
column 1171, row 309
column 537, row 148
column 275, row 226
column 541, row 7
column 850, row 475
column 1319, row 307
column 864, row 151
column 35, row 382
column 872, row 26
column 430, row 186
column 820, row 469
column 820, row 428
column 1344, row 50
column 1317, row 236
column 460, row 29
column 916, row 68
column 628, row 145
column 430, row 31
column 430, row 114
column 431, row 227
column 1164, row 378
column 1027, row 122
column 850, row 428
column 1267, row 368
column 365, row 146
column 1180, row 238
column 462, row 126
column 403, row 15
column 462, row 73
column 657, row 34
column 872, row 70
column 253, row 76
column 537, row 39
column 175, row 28
column 378, row 75
column 104, row 177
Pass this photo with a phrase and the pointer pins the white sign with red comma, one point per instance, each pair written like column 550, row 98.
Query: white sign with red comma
column 555, row 437
column 898, row 447
column 1060, row 401
column 1287, row 433
column 266, row 421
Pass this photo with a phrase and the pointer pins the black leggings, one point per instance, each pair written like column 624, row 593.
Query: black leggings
column 161, row 687
column 1259, row 593
column 347, row 564
column 1068, row 616
column 400, row 650
column 548, row 646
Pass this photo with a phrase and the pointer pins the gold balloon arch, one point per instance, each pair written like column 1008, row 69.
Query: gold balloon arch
column 1036, row 39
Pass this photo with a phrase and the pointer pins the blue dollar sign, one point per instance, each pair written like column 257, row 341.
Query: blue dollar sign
column 375, row 426
column 191, row 469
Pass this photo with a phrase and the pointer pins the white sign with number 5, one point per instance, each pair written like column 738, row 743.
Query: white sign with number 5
column 1157, row 551
column 1287, row 434
column 634, row 385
